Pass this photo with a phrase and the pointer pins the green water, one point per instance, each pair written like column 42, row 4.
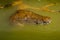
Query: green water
column 30, row 32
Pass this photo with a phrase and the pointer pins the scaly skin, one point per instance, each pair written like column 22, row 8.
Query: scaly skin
column 24, row 16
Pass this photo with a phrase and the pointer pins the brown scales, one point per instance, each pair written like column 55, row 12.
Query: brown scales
column 22, row 14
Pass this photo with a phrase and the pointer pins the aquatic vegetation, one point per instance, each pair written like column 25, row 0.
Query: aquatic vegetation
column 28, row 17
column 21, row 5
column 45, row 8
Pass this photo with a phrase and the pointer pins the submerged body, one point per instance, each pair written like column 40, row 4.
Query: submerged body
column 28, row 17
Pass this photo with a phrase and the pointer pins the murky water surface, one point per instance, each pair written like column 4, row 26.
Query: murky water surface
column 30, row 32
